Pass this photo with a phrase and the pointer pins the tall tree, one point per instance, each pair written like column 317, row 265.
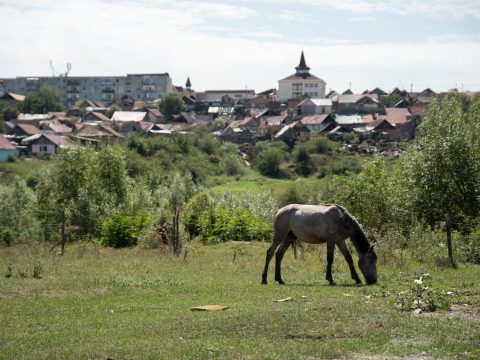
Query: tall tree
column 444, row 165
column 171, row 104
column 45, row 100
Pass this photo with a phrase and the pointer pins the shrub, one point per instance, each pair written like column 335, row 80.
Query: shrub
column 268, row 162
column 221, row 225
column 469, row 248
column 120, row 230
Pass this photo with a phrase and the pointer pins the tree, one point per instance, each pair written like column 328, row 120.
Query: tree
column 444, row 165
column 368, row 195
column 268, row 162
column 45, row 100
column 171, row 104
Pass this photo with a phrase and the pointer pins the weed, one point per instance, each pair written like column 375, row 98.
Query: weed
column 421, row 297
column 37, row 270
column 9, row 272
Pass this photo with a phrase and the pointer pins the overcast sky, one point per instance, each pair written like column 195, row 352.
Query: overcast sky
column 223, row 44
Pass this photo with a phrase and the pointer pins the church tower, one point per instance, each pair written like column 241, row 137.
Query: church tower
column 302, row 69
column 301, row 83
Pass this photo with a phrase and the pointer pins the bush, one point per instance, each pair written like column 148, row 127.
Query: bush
column 469, row 248
column 268, row 162
column 120, row 230
column 221, row 225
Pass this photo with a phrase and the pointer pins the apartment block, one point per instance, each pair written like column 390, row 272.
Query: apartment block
column 106, row 89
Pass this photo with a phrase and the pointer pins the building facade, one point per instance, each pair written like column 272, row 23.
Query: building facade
column 106, row 89
column 301, row 83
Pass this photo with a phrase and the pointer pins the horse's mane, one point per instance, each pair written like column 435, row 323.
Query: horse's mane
column 358, row 236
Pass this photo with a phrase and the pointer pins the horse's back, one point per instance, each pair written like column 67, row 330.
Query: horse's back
column 310, row 223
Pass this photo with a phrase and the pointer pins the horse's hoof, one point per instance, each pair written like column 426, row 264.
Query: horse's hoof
column 264, row 282
column 358, row 282
column 332, row 283
column 281, row 282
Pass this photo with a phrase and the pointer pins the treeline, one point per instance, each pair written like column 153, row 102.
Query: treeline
column 127, row 194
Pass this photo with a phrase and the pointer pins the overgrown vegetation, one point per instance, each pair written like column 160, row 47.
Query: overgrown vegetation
column 119, row 194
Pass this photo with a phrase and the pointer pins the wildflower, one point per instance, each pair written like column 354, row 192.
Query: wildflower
column 418, row 281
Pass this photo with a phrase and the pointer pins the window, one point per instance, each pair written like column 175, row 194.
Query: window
column 43, row 148
column 315, row 94
column 316, row 85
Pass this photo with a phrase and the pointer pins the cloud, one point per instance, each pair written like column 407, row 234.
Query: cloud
column 214, row 47
column 457, row 9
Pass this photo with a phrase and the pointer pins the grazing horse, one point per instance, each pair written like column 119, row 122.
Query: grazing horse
column 316, row 224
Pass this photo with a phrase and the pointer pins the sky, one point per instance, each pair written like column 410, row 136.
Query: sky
column 223, row 44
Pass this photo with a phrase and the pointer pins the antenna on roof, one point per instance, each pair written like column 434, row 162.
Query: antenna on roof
column 69, row 67
column 54, row 72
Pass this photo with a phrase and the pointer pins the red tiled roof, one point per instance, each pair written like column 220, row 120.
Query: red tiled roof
column 13, row 96
column 60, row 128
column 29, row 129
column 58, row 140
column 314, row 119
column 5, row 144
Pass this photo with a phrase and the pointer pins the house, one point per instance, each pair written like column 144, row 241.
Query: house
column 33, row 119
column 46, row 144
column 377, row 91
column 257, row 102
column 367, row 103
column 7, row 150
column 396, row 115
column 292, row 132
column 237, row 136
column 12, row 98
column 58, row 129
column 426, row 96
column 217, row 96
column 129, row 128
column 25, row 130
column 351, row 103
column 273, row 124
column 252, row 123
column 315, row 106
column 91, row 104
column 97, row 132
column 301, row 83
column 352, row 121
column 95, row 117
column 319, row 123
column 128, row 116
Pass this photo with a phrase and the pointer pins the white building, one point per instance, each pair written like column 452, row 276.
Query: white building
column 301, row 83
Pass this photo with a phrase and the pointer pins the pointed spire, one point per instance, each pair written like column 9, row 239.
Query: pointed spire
column 302, row 68
column 188, row 85
column 302, row 61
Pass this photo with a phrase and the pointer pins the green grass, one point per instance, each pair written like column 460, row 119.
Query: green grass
column 97, row 303
column 21, row 168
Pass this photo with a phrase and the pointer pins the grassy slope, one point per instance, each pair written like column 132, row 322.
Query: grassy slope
column 98, row 303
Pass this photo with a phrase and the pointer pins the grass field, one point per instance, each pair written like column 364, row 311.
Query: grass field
column 101, row 303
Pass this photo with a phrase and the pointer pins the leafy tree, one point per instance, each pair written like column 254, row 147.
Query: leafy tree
column 171, row 104
column 82, row 186
column 17, row 203
column 444, row 165
column 45, row 100
column 268, row 162
column 368, row 195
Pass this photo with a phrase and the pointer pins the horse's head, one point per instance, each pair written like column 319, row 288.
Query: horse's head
column 368, row 265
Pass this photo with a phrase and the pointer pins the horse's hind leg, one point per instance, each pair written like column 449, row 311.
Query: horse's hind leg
column 330, row 253
column 278, row 238
column 279, row 256
column 348, row 257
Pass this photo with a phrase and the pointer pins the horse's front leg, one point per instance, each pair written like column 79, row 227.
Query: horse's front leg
column 348, row 257
column 330, row 253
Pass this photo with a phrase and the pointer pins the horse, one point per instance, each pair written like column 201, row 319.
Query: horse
column 316, row 224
